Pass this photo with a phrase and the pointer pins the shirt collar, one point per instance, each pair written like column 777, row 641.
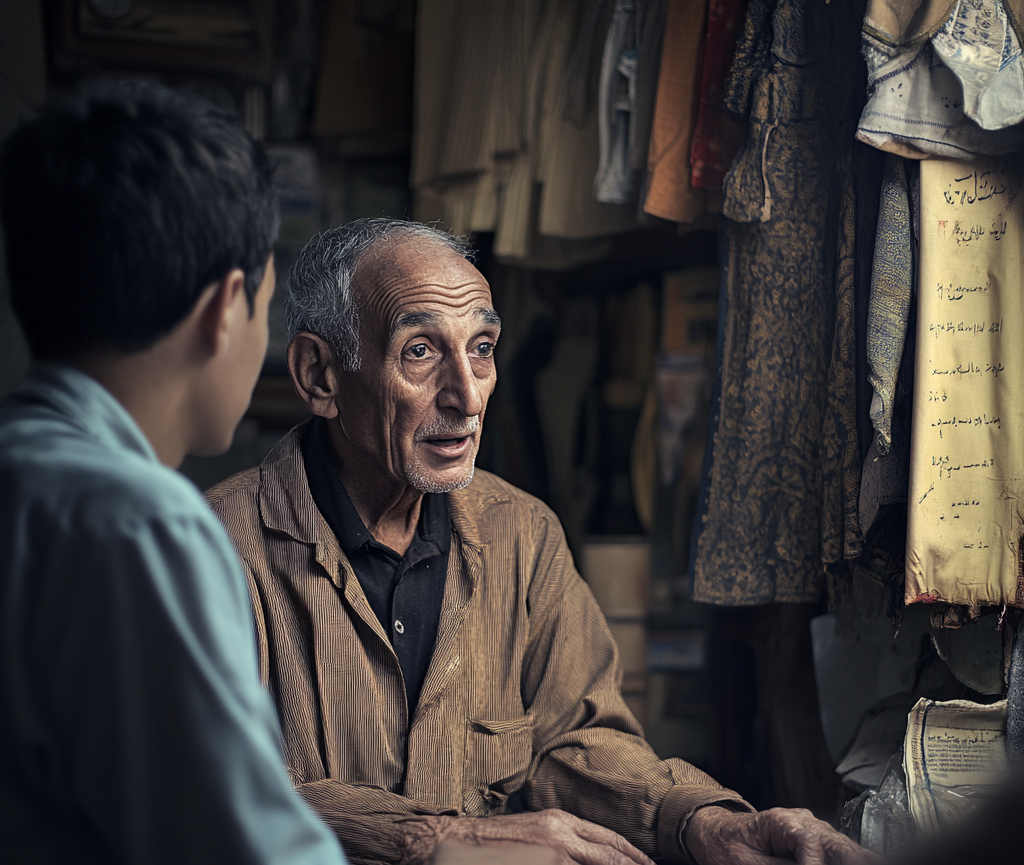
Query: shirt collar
column 84, row 404
column 433, row 533
column 286, row 504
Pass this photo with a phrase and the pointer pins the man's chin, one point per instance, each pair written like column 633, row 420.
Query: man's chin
column 427, row 481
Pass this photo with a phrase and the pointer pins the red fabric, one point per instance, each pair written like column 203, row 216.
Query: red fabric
column 717, row 135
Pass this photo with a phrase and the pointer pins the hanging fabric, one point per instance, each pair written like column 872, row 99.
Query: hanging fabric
column 965, row 530
column 717, row 136
column 757, row 536
column 668, row 191
column 944, row 79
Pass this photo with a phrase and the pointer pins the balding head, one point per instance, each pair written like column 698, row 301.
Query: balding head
column 322, row 295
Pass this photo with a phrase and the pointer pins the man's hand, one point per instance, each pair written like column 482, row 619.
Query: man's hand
column 717, row 836
column 573, row 840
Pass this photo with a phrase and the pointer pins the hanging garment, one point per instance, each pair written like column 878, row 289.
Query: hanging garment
column 965, row 529
column 492, row 148
column 891, row 290
column 616, row 102
column 717, row 136
column 626, row 96
column 842, row 541
column 651, row 27
column 669, row 193
column 943, row 80
column 841, row 458
column 758, row 533
column 569, row 151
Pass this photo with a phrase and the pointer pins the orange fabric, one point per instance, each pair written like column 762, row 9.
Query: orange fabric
column 669, row 193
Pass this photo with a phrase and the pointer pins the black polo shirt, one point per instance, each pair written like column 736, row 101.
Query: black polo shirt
column 405, row 592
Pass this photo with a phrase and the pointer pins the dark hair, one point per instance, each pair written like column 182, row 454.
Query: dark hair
column 321, row 297
column 120, row 204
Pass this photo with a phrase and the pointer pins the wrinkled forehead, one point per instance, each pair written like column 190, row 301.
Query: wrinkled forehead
column 410, row 274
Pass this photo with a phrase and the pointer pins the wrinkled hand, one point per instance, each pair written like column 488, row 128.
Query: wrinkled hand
column 716, row 836
column 575, row 840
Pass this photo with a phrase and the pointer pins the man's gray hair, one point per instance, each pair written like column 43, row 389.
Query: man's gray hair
column 320, row 298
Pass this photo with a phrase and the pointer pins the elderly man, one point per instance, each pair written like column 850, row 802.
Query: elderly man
column 440, row 668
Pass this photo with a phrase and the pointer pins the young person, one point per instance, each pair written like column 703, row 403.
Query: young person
column 139, row 224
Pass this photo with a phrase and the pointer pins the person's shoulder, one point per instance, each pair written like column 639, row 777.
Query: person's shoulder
column 83, row 484
column 237, row 493
column 487, row 490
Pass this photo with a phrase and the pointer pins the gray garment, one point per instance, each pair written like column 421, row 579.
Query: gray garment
column 134, row 728
column 614, row 183
column 892, row 286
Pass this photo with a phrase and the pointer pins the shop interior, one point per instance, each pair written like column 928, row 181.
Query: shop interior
column 705, row 370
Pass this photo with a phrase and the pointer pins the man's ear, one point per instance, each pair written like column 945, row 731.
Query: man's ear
column 311, row 365
column 218, row 307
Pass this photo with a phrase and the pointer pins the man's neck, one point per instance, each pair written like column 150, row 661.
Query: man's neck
column 390, row 511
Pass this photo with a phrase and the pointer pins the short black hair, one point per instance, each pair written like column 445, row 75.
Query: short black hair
column 120, row 204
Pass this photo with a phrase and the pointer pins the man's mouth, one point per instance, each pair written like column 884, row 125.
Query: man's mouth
column 449, row 447
column 448, row 442
column 449, row 438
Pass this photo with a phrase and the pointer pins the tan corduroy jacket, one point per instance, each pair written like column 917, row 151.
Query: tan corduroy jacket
column 522, row 693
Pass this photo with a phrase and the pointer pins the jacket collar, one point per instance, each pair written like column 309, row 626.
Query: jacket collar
column 286, row 504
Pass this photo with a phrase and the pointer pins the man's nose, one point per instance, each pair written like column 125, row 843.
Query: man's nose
column 461, row 389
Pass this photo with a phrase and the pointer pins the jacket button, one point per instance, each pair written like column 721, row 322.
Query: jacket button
column 399, row 627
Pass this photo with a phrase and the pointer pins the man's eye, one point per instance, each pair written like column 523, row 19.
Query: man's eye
column 485, row 349
column 418, row 351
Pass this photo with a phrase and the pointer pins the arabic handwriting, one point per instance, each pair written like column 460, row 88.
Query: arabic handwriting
column 941, row 328
column 956, row 422
column 975, row 186
column 958, row 292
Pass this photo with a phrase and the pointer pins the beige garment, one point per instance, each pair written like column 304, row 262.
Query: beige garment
column 521, row 697
column 472, row 62
column 461, row 206
column 437, row 32
column 515, row 236
column 492, row 150
column 569, row 154
column 965, row 524
column 669, row 193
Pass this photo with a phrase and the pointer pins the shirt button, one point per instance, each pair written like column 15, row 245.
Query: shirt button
column 399, row 627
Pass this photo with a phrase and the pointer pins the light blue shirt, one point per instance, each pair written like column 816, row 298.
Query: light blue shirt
column 133, row 727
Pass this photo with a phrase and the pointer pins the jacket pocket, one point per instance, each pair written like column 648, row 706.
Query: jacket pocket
column 498, row 755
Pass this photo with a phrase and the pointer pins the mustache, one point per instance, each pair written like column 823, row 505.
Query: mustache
column 448, row 428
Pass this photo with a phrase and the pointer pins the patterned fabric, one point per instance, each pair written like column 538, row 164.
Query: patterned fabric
column 954, row 90
column 753, row 46
column 758, row 539
column 521, row 704
column 892, row 285
column 1015, row 700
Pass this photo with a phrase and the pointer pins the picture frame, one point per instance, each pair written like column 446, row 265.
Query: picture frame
column 193, row 36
